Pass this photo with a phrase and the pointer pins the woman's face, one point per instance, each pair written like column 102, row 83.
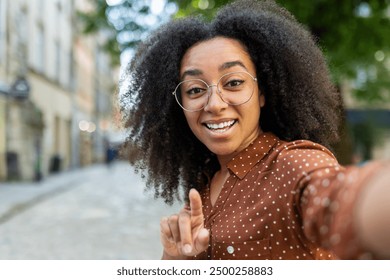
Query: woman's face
column 224, row 129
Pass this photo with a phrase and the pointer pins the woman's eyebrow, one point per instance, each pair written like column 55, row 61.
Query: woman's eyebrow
column 224, row 66
column 191, row 72
column 230, row 64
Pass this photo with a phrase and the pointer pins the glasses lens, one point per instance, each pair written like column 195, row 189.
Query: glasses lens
column 192, row 94
column 236, row 88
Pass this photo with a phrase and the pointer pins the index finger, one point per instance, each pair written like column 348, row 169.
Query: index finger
column 195, row 203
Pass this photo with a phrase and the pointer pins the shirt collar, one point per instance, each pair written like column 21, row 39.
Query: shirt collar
column 242, row 163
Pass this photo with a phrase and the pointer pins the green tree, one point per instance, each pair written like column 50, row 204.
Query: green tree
column 124, row 22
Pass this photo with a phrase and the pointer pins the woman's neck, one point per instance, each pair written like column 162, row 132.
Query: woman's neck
column 225, row 159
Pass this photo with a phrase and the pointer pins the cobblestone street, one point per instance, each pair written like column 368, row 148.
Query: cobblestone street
column 103, row 214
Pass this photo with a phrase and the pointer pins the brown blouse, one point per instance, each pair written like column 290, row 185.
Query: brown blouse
column 285, row 200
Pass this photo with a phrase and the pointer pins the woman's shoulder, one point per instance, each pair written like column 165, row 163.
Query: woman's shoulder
column 301, row 148
column 302, row 156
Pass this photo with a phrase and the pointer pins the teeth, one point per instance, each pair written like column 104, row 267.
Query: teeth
column 220, row 125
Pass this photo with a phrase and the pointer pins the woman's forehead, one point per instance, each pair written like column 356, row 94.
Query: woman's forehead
column 218, row 53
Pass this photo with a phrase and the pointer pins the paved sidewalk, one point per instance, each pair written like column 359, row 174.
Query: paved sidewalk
column 16, row 197
column 96, row 213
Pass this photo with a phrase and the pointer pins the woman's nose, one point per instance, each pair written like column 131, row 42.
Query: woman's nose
column 215, row 101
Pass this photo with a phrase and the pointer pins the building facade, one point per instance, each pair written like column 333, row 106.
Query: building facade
column 51, row 90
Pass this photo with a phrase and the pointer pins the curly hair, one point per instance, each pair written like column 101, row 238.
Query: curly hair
column 301, row 101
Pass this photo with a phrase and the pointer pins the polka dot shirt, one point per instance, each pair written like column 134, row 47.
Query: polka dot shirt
column 284, row 200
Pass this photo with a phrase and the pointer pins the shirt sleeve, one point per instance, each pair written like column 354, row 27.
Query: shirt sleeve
column 325, row 197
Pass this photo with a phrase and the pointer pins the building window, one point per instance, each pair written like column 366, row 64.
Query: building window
column 57, row 61
column 2, row 29
column 58, row 15
column 40, row 49
column 72, row 75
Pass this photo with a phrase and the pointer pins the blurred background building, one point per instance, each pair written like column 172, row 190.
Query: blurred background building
column 56, row 89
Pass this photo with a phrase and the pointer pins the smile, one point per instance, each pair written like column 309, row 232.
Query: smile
column 220, row 127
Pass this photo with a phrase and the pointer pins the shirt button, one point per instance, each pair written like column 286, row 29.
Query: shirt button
column 230, row 249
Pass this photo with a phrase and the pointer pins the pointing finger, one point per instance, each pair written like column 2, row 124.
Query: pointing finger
column 195, row 203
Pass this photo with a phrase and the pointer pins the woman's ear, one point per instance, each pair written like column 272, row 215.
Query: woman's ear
column 261, row 99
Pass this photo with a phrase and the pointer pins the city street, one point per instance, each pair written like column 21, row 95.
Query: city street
column 100, row 213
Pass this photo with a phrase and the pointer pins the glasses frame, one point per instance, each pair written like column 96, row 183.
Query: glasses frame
column 210, row 91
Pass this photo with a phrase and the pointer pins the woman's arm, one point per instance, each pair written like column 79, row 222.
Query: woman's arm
column 372, row 215
column 345, row 210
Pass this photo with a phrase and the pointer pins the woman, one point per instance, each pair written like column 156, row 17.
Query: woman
column 241, row 112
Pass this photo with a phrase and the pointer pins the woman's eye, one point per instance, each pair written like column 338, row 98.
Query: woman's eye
column 195, row 91
column 234, row 83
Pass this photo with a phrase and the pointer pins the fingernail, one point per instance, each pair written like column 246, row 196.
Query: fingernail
column 187, row 249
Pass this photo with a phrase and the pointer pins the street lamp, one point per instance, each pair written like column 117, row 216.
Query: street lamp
column 20, row 89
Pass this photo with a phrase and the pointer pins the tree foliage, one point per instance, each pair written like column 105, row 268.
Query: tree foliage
column 124, row 24
column 95, row 21
column 354, row 34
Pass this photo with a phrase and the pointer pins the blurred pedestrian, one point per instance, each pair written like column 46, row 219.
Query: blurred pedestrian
column 242, row 113
column 110, row 152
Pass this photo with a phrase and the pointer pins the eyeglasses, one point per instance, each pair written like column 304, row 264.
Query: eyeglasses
column 234, row 88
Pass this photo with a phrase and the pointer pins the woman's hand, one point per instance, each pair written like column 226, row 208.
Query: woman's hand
column 373, row 216
column 183, row 234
